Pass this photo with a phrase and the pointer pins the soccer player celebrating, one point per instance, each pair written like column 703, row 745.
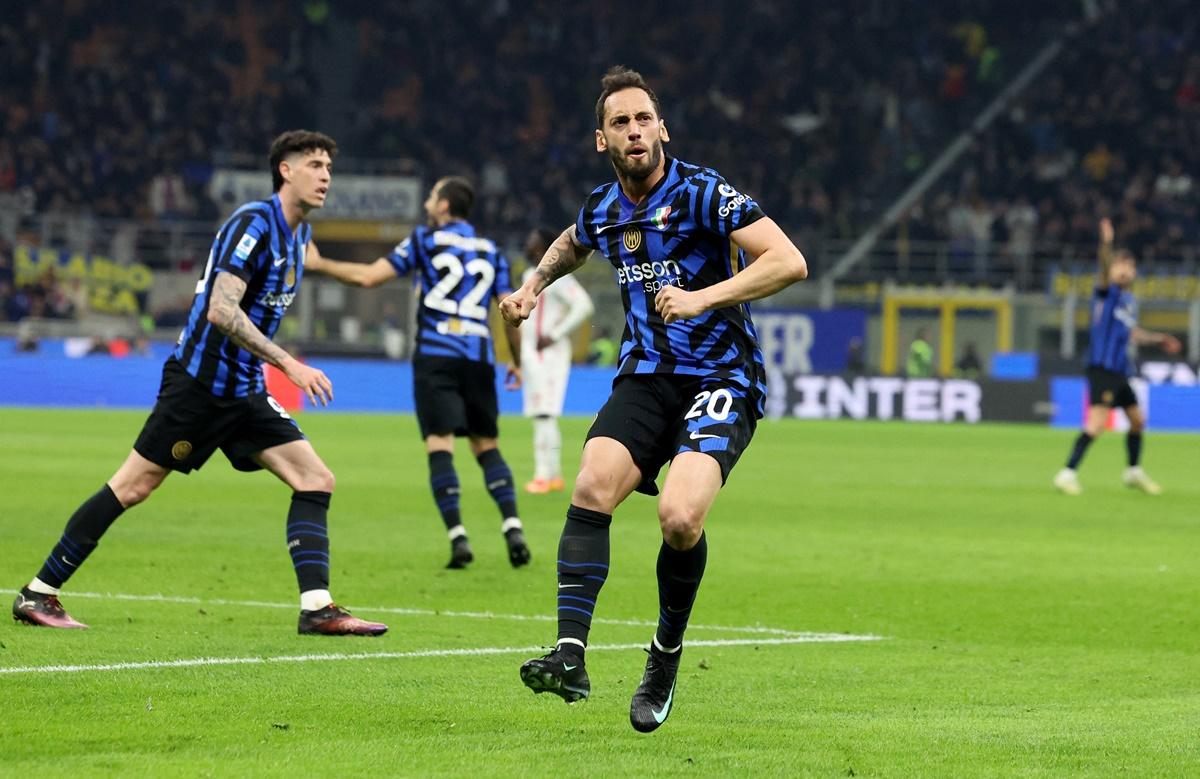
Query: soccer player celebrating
column 689, row 252
column 454, row 380
column 1114, row 324
column 546, row 363
column 213, row 395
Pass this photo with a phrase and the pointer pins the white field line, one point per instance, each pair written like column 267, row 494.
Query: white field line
column 810, row 638
column 748, row 629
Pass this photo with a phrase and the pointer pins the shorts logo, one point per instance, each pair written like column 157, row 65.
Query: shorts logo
column 278, row 407
column 181, row 450
column 290, row 280
column 632, row 239
column 1106, row 397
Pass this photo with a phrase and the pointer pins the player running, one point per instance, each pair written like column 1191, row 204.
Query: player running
column 689, row 252
column 546, row 362
column 1114, row 324
column 454, row 379
column 213, row 395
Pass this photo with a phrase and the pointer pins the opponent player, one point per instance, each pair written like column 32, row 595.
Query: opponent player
column 546, row 363
column 689, row 252
column 1114, row 323
column 213, row 395
column 454, row 380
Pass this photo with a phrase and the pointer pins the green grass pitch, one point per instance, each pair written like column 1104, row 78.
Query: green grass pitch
column 1022, row 633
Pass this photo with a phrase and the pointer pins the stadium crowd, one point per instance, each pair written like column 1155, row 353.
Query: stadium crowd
column 109, row 110
column 821, row 142
column 1112, row 128
column 118, row 109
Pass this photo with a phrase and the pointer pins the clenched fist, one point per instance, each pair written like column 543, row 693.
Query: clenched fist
column 517, row 307
column 675, row 303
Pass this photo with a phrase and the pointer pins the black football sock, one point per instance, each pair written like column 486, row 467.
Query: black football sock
column 308, row 540
column 679, row 575
column 82, row 534
column 1081, row 444
column 499, row 481
column 1133, row 447
column 582, row 569
column 443, row 480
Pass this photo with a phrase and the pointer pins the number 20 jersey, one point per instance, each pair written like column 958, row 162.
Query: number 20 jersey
column 678, row 235
column 457, row 274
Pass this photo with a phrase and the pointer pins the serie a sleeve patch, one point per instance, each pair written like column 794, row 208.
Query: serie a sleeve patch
column 245, row 246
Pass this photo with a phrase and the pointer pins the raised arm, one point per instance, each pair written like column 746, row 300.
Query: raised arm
column 565, row 255
column 776, row 264
column 226, row 314
column 357, row 274
column 1104, row 253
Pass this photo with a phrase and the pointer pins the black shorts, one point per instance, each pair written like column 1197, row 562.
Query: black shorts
column 189, row 423
column 657, row 416
column 455, row 396
column 1109, row 388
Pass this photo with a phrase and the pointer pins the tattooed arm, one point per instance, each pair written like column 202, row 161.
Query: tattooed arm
column 565, row 255
column 226, row 314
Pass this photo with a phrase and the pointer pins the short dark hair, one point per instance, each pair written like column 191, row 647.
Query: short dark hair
column 544, row 234
column 459, row 193
column 296, row 142
column 620, row 77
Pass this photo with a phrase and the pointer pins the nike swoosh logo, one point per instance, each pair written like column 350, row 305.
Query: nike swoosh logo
column 569, row 667
column 280, row 261
column 697, row 436
column 661, row 716
column 68, row 562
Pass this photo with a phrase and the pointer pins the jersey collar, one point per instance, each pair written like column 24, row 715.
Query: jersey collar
column 280, row 222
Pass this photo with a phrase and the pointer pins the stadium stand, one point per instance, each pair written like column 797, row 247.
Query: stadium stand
column 1114, row 128
column 108, row 113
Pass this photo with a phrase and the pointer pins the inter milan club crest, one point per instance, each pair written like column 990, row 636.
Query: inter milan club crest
column 632, row 239
column 181, row 449
column 291, row 277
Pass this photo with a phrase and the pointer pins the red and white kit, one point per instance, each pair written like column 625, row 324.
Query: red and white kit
column 561, row 309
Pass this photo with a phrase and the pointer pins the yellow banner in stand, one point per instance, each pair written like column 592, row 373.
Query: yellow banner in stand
column 112, row 287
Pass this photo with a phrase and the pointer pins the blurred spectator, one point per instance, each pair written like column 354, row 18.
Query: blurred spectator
column 920, row 357
column 603, row 350
column 856, row 359
column 968, row 365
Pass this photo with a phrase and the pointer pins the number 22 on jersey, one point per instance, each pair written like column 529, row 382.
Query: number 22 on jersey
column 441, row 297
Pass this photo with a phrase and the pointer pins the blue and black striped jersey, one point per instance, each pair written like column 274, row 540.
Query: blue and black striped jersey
column 678, row 236
column 1114, row 316
column 457, row 275
column 256, row 245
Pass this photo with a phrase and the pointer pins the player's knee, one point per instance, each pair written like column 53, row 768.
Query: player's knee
column 1136, row 425
column 321, row 480
column 135, row 491
column 316, row 478
column 593, row 492
column 681, row 525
